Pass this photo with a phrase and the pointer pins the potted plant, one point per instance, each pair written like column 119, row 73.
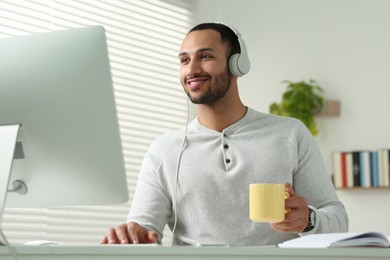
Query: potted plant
column 301, row 100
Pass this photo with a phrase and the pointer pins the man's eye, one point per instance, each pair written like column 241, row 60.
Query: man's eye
column 183, row 60
column 205, row 56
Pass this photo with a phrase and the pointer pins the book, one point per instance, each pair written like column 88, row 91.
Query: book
column 337, row 170
column 356, row 168
column 386, row 167
column 349, row 169
column 374, row 169
column 383, row 167
column 343, row 170
column 365, row 169
column 358, row 239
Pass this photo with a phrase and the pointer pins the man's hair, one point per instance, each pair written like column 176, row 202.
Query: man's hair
column 228, row 36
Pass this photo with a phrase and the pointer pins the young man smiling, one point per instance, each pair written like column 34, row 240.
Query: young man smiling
column 196, row 179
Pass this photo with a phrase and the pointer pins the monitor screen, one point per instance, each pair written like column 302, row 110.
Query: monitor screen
column 58, row 87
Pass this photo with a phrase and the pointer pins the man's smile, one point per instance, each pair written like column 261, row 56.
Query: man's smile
column 196, row 83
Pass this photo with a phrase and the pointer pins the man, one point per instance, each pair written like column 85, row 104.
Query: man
column 196, row 180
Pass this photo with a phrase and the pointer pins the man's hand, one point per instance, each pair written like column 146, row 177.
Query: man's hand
column 129, row 233
column 296, row 219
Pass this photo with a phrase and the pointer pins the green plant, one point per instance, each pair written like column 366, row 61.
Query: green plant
column 301, row 100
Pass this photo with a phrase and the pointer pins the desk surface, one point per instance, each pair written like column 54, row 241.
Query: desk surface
column 114, row 252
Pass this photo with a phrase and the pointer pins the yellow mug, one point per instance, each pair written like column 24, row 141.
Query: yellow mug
column 267, row 202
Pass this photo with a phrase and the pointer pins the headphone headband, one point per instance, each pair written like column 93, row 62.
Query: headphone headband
column 239, row 63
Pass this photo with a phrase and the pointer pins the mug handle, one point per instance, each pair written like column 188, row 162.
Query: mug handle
column 286, row 196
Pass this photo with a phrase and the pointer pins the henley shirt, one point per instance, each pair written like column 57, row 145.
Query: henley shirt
column 208, row 188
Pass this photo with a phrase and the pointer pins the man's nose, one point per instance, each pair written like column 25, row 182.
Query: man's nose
column 194, row 68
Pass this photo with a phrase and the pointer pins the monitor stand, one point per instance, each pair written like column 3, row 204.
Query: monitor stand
column 8, row 137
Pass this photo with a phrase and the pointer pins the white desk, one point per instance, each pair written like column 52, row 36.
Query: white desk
column 113, row 252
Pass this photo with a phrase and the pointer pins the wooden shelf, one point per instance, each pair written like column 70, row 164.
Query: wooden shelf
column 364, row 188
column 331, row 108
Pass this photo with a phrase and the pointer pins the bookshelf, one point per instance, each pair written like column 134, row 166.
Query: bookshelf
column 361, row 169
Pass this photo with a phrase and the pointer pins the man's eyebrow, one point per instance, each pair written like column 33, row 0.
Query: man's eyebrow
column 200, row 50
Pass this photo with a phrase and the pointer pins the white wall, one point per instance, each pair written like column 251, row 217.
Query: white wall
column 342, row 44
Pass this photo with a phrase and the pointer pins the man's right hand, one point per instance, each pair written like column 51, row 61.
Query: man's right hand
column 129, row 233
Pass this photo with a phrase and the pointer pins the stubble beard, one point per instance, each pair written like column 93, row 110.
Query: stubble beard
column 215, row 92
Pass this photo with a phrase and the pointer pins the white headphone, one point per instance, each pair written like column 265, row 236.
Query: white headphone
column 239, row 63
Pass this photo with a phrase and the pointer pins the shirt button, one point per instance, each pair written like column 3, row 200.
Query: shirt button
column 227, row 160
column 226, row 146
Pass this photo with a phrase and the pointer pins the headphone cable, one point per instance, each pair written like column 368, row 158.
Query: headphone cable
column 174, row 197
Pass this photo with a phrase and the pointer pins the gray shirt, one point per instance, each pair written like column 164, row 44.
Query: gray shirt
column 211, row 187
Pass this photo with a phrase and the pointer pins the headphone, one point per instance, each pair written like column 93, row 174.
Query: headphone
column 239, row 63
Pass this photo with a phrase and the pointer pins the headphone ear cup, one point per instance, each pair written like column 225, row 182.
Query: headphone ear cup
column 239, row 64
column 234, row 65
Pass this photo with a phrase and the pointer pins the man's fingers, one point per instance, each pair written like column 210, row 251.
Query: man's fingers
column 122, row 235
column 296, row 218
column 152, row 237
column 116, row 236
column 294, row 226
column 288, row 187
column 111, row 236
column 133, row 230
column 104, row 240
column 129, row 233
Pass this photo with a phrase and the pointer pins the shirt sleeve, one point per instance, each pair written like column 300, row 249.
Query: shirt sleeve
column 312, row 181
column 151, row 205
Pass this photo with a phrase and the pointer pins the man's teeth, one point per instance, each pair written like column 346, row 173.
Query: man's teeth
column 195, row 82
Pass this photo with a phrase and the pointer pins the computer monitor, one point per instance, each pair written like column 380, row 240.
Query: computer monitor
column 58, row 87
